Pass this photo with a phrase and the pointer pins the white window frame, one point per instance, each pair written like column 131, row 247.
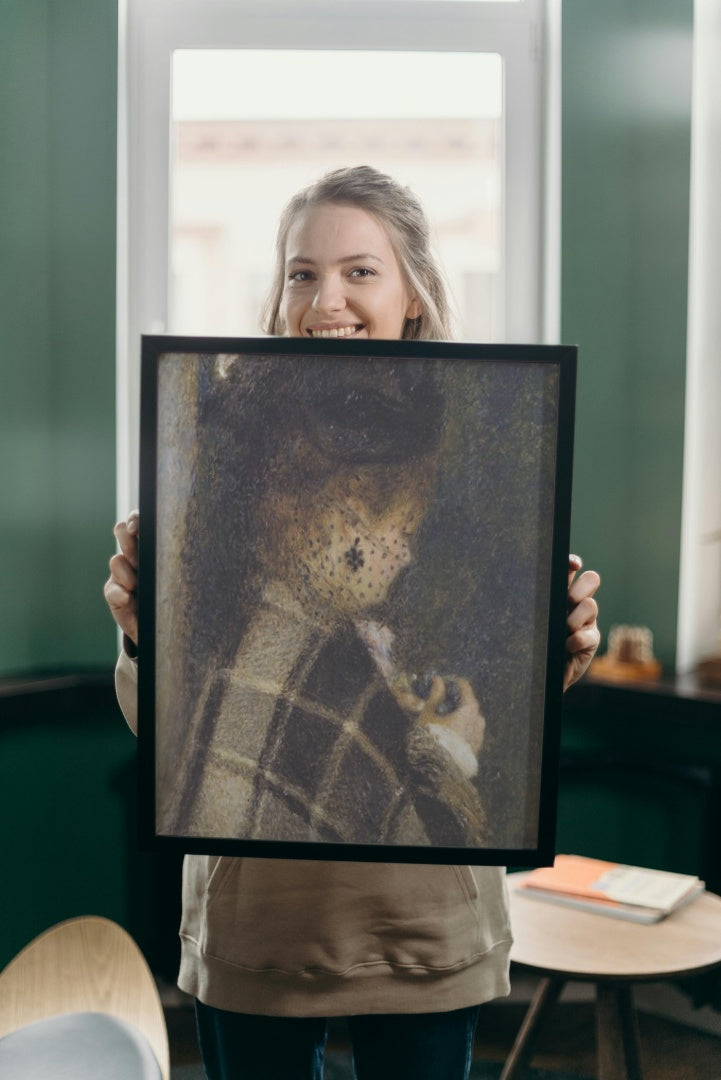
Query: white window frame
column 699, row 597
column 526, row 34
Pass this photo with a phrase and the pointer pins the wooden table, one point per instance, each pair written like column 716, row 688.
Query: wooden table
column 563, row 944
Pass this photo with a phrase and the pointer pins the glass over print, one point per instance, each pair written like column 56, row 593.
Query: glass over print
column 352, row 597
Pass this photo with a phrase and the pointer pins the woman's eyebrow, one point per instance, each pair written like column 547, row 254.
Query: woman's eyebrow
column 361, row 257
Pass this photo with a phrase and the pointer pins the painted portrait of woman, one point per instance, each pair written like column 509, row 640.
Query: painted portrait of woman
column 316, row 478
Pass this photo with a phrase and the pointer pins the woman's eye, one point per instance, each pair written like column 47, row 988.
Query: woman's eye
column 362, row 272
column 300, row 276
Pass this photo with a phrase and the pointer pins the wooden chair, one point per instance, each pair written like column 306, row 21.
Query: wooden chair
column 82, row 974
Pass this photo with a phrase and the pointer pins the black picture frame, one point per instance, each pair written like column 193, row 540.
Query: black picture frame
column 279, row 716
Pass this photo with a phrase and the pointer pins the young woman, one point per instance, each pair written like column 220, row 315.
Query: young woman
column 270, row 949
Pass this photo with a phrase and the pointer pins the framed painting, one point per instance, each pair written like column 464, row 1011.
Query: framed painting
column 352, row 597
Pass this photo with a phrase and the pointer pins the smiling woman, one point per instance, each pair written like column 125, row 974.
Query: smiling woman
column 330, row 292
column 353, row 259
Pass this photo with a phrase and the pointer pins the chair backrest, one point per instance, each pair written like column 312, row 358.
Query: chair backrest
column 88, row 964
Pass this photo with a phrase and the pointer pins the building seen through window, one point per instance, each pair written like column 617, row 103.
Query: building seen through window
column 233, row 170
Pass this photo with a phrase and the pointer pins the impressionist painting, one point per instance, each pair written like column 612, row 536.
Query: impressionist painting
column 352, row 596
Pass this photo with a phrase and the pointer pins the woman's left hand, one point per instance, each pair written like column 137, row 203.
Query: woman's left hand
column 583, row 635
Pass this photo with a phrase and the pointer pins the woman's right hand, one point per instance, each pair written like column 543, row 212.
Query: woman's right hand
column 121, row 587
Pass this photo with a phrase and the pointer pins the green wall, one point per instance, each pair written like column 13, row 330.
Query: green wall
column 58, row 71
column 66, row 758
column 626, row 145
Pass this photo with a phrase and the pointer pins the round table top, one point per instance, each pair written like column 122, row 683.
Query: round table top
column 559, row 940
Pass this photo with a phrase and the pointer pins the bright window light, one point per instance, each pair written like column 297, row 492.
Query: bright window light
column 239, row 154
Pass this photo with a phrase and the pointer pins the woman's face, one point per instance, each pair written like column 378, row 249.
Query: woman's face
column 342, row 277
column 352, row 556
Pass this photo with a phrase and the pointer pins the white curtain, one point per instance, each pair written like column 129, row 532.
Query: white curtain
column 700, row 583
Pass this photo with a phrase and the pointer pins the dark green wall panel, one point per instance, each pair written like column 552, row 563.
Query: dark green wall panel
column 626, row 144
column 641, row 777
column 62, row 787
column 26, row 490
column 69, row 805
column 58, row 76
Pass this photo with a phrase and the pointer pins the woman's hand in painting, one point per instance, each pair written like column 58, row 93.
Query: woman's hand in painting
column 583, row 635
column 121, row 587
column 447, row 702
column 453, row 704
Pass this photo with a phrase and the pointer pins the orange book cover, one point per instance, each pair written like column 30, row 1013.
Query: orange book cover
column 611, row 883
column 571, row 874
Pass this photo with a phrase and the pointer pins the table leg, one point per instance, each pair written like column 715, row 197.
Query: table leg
column 617, row 1033
column 545, row 997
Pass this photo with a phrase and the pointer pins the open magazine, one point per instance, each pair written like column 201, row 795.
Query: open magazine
column 608, row 888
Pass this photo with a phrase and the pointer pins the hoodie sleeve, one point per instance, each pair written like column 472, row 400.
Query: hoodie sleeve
column 126, row 688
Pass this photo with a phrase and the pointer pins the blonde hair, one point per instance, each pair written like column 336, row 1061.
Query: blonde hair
column 403, row 217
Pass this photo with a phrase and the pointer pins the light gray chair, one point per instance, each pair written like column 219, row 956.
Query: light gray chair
column 80, row 1002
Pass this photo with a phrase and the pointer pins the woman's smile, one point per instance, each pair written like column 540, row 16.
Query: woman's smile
column 335, row 331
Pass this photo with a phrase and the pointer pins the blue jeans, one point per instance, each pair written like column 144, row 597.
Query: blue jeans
column 415, row 1046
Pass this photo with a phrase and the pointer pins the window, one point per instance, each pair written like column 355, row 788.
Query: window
column 227, row 107
column 235, row 161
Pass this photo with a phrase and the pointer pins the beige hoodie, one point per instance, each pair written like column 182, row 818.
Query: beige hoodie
column 298, row 938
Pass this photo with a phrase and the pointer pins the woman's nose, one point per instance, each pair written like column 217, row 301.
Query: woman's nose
column 329, row 296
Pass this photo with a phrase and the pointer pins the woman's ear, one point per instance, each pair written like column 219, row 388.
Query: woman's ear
column 415, row 309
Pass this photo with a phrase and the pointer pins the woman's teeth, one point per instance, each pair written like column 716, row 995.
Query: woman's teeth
column 337, row 331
